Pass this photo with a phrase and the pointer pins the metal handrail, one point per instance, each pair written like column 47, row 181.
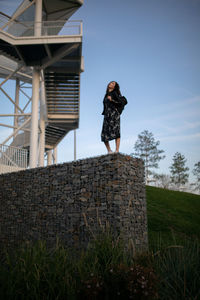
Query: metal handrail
column 13, row 156
column 48, row 28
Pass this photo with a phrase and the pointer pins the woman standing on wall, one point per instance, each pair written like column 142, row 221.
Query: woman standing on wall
column 113, row 104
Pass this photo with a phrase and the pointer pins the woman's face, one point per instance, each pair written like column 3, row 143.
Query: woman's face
column 111, row 85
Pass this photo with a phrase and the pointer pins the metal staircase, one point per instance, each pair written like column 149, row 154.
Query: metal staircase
column 49, row 52
column 62, row 99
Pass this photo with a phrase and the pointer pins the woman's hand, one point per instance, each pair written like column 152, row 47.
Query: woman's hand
column 109, row 98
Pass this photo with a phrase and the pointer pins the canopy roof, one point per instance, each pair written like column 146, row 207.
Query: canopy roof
column 60, row 9
column 52, row 10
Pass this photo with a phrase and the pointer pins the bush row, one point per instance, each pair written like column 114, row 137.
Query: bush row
column 104, row 271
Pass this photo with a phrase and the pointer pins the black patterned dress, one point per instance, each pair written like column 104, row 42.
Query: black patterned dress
column 111, row 122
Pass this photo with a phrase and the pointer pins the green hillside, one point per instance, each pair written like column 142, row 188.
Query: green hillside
column 173, row 216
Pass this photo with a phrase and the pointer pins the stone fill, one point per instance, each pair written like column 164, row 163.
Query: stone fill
column 74, row 201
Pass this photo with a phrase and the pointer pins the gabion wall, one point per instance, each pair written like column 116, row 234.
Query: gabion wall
column 73, row 201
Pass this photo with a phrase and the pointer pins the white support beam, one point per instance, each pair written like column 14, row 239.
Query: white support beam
column 49, row 157
column 13, row 115
column 34, row 119
column 60, row 53
column 48, row 51
column 14, row 71
column 55, row 155
column 35, row 92
column 27, row 104
column 74, row 144
column 38, row 18
column 17, row 89
column 42, row 142
column 31, row 40
column 24, row 86
column 18, row 129
column 14, row 127
column 43, row 97
column 25, row 94
column 11, row 100
column 42, row 122
column 49, row 147
column 63, row 116
column 17, row 15
column 10, row 75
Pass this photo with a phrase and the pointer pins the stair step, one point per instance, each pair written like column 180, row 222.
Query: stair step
column 50, row 105
column 66, row 99
column 63, row 80
column 63, row 101
column 57, row 74
column 62, row 87
column 61, row 84
column 63, row 105
column 62, row 93
column 60, row 110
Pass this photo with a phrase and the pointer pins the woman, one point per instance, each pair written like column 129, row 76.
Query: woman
column 111, row 123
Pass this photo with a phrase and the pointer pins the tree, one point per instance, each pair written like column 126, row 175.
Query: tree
column 162, row 180
column 196, row 172
column 146, row 148
column 178, row 170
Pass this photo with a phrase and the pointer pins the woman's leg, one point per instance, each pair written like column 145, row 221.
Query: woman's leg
column 117, row 143
column 108, row 147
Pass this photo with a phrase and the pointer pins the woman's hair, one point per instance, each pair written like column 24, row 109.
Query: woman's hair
column 116, row 88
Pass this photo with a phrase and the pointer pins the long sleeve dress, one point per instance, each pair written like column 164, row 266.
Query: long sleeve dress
column 111, row 122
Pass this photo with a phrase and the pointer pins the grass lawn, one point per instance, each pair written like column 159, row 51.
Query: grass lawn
column 173, row 217
column 104, row 271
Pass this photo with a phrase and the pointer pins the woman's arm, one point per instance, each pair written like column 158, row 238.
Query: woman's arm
column 103, row 113
column 115, row 99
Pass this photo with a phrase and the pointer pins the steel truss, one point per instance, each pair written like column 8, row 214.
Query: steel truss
column 38, row 55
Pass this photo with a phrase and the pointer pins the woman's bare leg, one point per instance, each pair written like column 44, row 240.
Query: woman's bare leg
column 117, row 143
column 108, row 147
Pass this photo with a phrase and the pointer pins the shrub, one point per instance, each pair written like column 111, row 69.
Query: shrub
column 178, row 269
column 110, row 273
column 103, row 271
column 121, row 282
column 34, row 272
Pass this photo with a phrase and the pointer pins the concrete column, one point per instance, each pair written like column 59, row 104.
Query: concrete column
column 17, row 88
column 34, row 118
column 49, row 157
column 42, row 142
column 55, row 155
column 42, row 125
column 35, row 92
column 74, row 144
column 38, row 18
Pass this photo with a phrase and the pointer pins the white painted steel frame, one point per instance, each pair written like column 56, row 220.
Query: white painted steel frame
column 34, row 118
column 36, row 155
column 35, row 92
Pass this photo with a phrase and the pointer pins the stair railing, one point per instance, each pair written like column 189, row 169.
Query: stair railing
column 13, row 156
column 19, row 28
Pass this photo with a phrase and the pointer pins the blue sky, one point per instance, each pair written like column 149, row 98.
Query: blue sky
column 152, row 48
